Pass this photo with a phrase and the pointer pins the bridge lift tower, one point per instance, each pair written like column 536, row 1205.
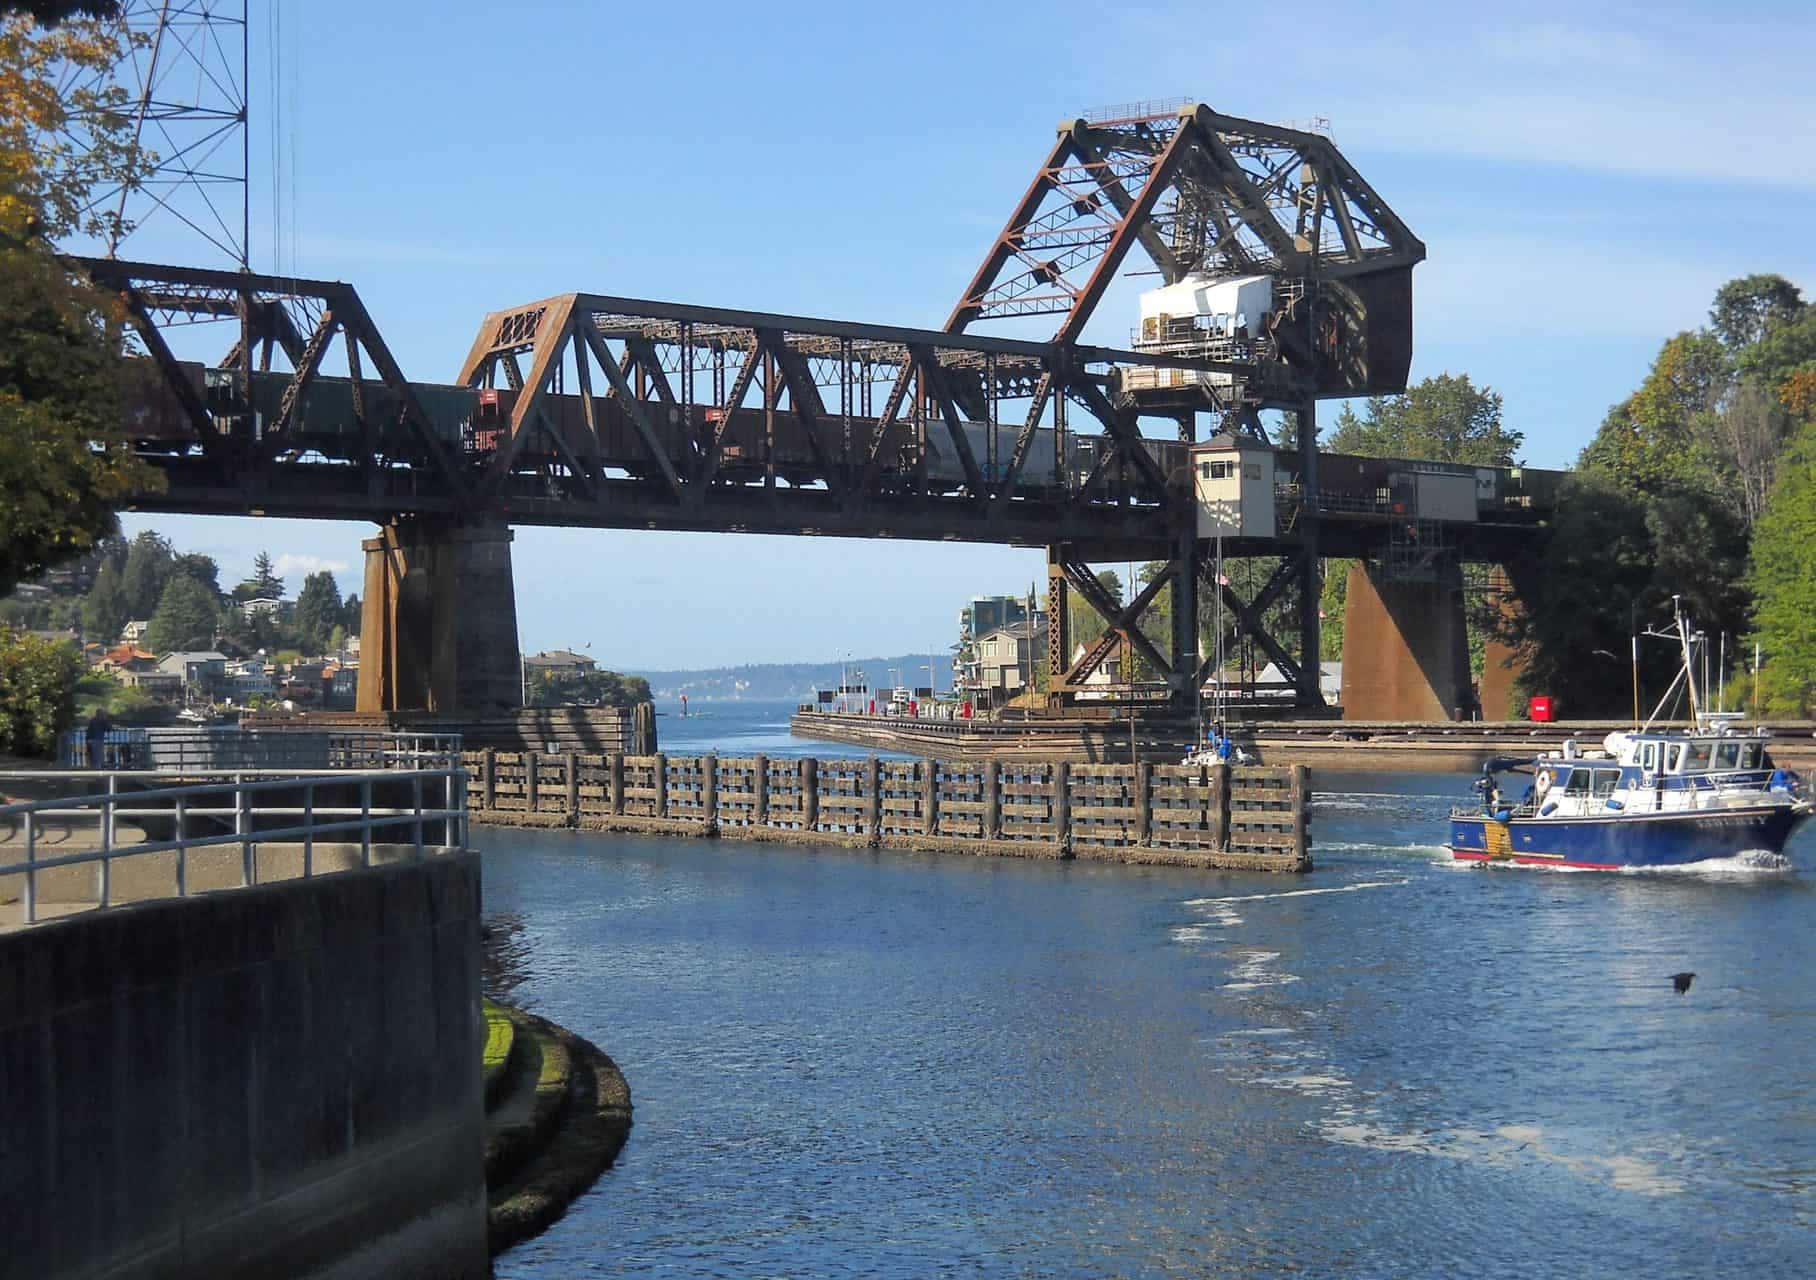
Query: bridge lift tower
column 1281, row 269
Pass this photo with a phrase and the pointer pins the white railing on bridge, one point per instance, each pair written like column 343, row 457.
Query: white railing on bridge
column 117, row 815
column 205, row 749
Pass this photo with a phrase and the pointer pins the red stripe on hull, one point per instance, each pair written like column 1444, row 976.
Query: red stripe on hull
column 1476, row 856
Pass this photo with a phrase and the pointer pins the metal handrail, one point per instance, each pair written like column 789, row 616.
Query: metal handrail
column 176, row 748
column 110, row 805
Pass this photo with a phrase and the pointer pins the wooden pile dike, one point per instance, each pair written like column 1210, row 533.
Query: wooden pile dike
column 1250, row 818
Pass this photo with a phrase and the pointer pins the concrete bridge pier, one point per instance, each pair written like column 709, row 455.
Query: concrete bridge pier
column 1502, row 664
column 438, row 626
column 1405, row 646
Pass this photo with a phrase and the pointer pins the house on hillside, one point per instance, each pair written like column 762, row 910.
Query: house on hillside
column 559, row 664
column 203, row 672
column 133, row 633
column 264, row 607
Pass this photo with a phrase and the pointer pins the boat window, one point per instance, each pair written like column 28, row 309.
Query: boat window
column 1698, row 759
column 1749, row 756
column 1674, row 756
column 1605, row 780
column 1579, row 782
column 1648, row 757
column 1727, row 755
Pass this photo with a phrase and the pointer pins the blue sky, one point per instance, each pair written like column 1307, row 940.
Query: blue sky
column 1584, row 177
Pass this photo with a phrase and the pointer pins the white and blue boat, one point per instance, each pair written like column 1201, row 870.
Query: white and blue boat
column 1649, row 798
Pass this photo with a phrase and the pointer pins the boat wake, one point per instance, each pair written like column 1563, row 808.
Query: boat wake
column 1748, row 862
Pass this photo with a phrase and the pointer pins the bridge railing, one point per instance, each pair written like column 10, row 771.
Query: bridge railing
column 88, row 830
column 202, row 749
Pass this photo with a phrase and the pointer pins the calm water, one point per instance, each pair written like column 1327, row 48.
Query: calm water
column 848, row 1064
column 743, row 729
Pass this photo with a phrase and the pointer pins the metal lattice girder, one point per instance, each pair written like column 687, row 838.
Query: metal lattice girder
column 159, row 297
column 1122, row 619
column 1250, row 618
column 1203, row 193
column 931, row 377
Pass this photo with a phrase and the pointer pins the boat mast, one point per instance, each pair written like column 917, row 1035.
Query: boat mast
column 1684, row 643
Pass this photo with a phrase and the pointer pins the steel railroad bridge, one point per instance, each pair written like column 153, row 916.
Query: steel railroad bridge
column 586, row 410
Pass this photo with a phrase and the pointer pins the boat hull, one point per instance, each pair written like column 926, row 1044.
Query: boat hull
column 1634, row 840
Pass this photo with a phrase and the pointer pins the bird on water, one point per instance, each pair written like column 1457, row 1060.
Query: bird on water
column 1681, row 981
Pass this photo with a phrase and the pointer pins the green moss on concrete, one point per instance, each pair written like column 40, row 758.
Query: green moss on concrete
column 501, row 1034
column 594, row 1122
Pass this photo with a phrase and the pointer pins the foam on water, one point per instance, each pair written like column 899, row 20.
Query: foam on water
column 1295, row 893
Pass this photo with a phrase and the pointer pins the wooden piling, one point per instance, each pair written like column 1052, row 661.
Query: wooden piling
column 1144, row 802
column 709, row 789
column 615, row 784
column 489, row 776
column 759, row 793
column 1062, row 807
column 873, row 798
column 1220, row 806
column 529, row 779
column 659, row 778
column 572, row 761
column 810, row 794
column 930, row 797
column 993, row 800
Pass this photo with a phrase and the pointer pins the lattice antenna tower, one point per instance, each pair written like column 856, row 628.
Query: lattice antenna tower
column 184, row 66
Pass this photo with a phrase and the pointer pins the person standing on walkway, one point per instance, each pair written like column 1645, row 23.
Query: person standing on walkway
column 98, row 725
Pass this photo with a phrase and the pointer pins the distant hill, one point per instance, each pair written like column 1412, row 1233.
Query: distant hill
column 770, row 681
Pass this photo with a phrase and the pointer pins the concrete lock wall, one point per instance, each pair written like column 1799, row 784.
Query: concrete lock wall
column 277, row 1081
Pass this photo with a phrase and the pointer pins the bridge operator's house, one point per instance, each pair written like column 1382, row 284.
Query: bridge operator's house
column 1233, row 478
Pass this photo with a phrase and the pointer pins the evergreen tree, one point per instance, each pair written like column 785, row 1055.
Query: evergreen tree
column 104, row 611
column 200, row 567
column 318, row 609
column 264, row 584
column 148, row 567
column 185, row 617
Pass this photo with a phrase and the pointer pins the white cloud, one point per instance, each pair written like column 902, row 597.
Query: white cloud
column 290, row 565
column 1657, row 93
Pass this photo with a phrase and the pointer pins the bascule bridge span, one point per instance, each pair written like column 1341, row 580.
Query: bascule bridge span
column 587, row 410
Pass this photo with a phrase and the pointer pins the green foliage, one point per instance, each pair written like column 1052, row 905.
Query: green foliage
column 594, row 689
column 1783, row 580
column 64, row 462
column 1745, row 310
column 263, row 584
column 1083, row 624
column 148, row 568
column 1443, row 419
column 104, row 610
column 37, row 693
column 185, row 617
column 318, row 609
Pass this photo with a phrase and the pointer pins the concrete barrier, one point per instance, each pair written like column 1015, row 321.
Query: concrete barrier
column 275, row 1081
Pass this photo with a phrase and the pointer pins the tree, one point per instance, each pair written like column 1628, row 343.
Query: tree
column 350, row 615
column 1086, row 626
column 148, row 568
column 64, row 460
column 1442, row 419
column 264, row 583
column 1783, row 580
column 318, row 609
column 1747, row 308
column 37, row 693
column 200, row 567
column 185, row 617
column 105, row 612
